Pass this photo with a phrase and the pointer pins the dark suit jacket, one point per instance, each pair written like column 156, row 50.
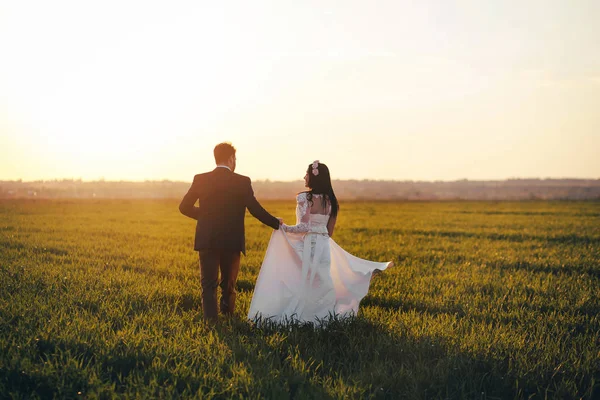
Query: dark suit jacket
column 223, row 197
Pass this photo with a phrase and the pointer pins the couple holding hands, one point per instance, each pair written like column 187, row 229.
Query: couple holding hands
column 305, row 276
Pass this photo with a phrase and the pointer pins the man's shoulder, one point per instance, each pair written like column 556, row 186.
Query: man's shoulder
column 199, row 177
column 242, row 178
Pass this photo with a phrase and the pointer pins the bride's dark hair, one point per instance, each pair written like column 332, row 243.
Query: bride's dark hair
column 321, row 184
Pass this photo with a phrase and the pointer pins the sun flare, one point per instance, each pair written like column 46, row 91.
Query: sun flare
column 144, row 91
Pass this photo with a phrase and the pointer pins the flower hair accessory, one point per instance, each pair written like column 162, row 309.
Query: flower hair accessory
column 315, row 168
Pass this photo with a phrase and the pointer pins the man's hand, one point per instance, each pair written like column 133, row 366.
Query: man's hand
column 280, row 221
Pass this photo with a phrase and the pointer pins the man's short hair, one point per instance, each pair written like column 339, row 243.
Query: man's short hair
column 223, row 151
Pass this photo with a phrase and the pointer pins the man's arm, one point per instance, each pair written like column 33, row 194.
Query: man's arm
column 187, row 205
column 258, row 211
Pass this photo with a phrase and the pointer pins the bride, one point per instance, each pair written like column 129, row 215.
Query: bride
column 305, row 275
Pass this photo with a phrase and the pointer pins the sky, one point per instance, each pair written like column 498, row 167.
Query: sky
column 402, row 90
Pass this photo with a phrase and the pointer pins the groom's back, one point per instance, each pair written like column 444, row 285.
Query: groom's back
column 222, row 197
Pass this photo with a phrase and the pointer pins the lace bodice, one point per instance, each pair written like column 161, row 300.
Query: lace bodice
column 309, row 217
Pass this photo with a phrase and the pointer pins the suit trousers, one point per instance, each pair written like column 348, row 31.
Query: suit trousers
column 211, row 260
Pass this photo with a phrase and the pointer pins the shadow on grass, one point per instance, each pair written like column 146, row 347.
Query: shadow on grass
column 398, row 304
column 243, row 285
column 20, row 380
column 347, row 358
column 278, row 368
column 356, row 358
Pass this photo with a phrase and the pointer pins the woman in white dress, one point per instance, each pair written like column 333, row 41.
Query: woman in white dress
column 305, row 275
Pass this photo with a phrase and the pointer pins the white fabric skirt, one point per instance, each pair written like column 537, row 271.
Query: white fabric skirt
column 308, row 278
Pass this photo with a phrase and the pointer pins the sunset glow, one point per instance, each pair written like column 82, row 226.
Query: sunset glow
column 395, row 90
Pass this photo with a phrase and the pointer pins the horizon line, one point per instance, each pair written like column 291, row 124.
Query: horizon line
column 299, row 180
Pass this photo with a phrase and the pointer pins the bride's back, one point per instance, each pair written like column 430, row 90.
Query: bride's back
column 318, row 206
column 313, row 214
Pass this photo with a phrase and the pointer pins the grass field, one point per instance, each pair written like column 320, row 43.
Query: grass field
column 486, row 300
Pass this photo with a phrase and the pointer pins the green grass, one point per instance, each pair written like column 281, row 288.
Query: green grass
column 486, row 300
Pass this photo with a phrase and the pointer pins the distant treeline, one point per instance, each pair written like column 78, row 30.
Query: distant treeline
column 511, row 189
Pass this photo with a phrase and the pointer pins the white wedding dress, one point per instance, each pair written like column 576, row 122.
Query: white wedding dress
column 305, row 276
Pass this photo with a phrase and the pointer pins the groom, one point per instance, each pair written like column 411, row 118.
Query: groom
column 223, row 197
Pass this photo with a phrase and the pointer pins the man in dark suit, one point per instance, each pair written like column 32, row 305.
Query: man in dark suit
column 223, row 197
